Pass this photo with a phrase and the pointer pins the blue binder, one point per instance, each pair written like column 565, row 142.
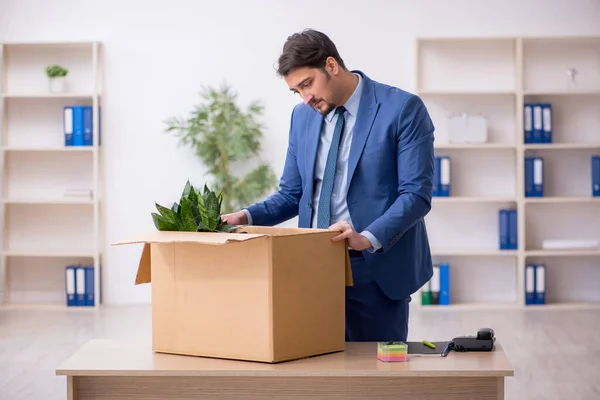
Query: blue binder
column 529, row 284
column 538, row 176
column 89, row 285
column 445, row 176
column 77, row 125
column 436, row 177
column 444, row 284
column 538, row 124
column 79, row 285
column 540, row 284
column 512, row 229
column 547, row 123
column 528, row 123
column 70, row 285
column 528, row 176
column 88, row 124
column 503, row 229
column 596, row 176
column 68, row 125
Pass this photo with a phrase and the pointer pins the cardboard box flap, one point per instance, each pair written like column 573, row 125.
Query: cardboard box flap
column 210, row 238
column 216, row 238
column 144, row 271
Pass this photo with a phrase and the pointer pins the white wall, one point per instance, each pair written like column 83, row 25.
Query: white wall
column 157, row 54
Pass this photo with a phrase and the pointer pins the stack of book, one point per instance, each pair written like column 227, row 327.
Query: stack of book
column 535, row 284
column 537, row 120
column 79, row 285
column 507, row 229
column 441, row 176
column 437, row 290
column 78, row 125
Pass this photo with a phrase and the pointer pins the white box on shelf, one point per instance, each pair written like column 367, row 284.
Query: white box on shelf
column 467, row 128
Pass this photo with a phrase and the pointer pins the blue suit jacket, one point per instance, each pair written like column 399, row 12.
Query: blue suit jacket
column 390, row 180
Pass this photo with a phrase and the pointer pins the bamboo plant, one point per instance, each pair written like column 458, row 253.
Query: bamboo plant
column 223, row 135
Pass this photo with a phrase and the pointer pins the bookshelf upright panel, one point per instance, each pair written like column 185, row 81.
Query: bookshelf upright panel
column 51, row 192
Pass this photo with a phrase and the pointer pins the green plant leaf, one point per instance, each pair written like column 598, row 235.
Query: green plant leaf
column 186, row 189
column 192, row 195
column 163, row 225
column 187, row 218
column 220, row 198
column 168, row 214
column 196, row 212
column 228, row 228
column 212, row 209
column 54, row 71
column 203, row 228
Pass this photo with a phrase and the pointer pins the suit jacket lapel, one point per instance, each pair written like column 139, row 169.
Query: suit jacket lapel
column 367, row 110
column 313, row 135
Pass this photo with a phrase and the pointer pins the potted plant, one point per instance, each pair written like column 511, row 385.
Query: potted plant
column 56, row 77
column 223, row 135
column 196, row 211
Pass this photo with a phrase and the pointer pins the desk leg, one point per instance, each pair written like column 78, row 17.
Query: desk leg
column 500, row 389
column 286, row 388
column 72, row 388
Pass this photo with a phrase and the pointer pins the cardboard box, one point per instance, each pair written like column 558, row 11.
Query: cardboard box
column 260, row 294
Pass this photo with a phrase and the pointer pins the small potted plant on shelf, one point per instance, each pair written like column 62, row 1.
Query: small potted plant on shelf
column 56, row 76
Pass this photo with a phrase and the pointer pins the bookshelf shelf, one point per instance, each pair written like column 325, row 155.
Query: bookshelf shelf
column 50, row 203
column 468, row 93
column 474, row 146
column 561, row 253
column 47, row 254
column 562, row 93
column 483, row 199
column 473, row 253
column 556, row 199
column 563, row 146
column 467, row 306
column 49, row 95
column 49, row 149
column 67, row 201
column 495, row 78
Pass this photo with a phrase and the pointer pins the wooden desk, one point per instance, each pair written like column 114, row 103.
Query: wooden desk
column 129, row 370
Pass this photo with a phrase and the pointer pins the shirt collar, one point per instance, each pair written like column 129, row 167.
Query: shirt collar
column 353, row 102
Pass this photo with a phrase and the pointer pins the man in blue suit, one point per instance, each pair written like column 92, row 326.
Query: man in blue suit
column 360, row 161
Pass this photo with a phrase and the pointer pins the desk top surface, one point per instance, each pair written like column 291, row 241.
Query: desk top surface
column 101, row 357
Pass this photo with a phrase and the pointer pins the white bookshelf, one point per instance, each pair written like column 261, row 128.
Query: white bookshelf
column 43, row 228
column 495, row 77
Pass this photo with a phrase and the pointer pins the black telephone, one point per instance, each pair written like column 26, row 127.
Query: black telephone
column 484, row 341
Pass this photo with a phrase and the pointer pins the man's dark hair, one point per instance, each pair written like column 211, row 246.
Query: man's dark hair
column 308, row 48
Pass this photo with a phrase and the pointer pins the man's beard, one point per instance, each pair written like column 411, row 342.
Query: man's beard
column 328, row 107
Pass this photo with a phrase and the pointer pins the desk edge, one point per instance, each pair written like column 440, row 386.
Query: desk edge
column 273, row 374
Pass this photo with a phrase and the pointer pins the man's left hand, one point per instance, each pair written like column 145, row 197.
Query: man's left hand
column 356, row 240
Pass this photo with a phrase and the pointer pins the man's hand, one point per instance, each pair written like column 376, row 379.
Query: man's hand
column 236, row 218
column 355, row 239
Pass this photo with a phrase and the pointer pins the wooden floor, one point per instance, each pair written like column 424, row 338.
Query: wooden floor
column 555, row 354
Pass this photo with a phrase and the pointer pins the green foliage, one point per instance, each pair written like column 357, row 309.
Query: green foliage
column 54, row 71
column 196, row 212
column 222, row 134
